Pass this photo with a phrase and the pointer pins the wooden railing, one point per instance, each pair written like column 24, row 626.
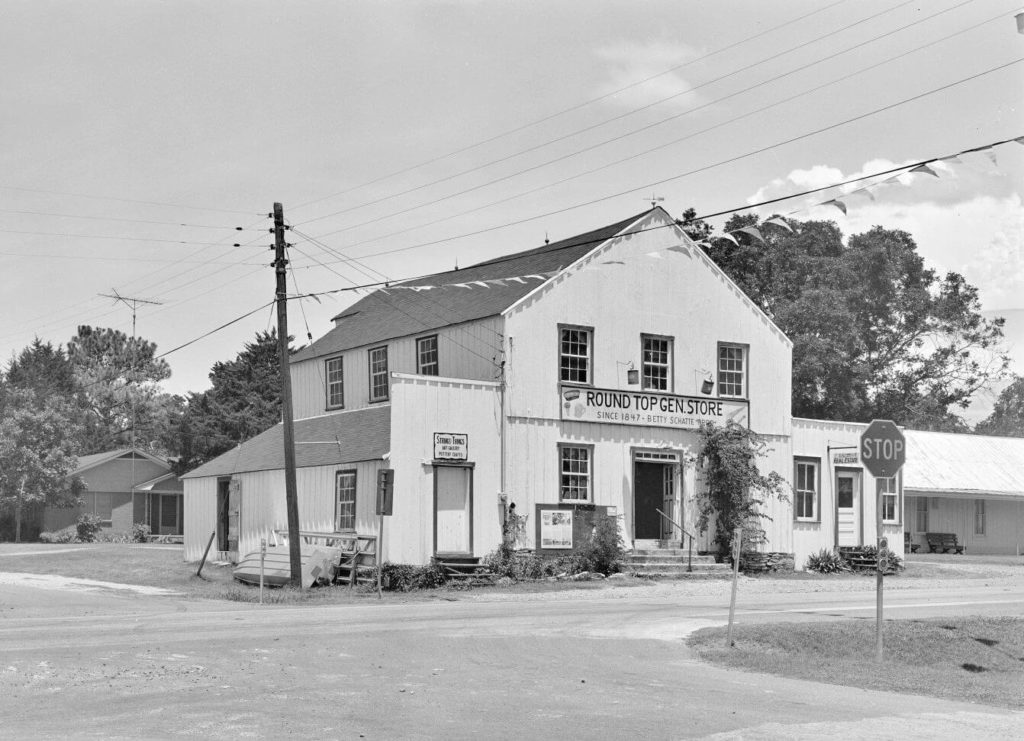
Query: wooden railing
column 352, row 545
column 685, row 532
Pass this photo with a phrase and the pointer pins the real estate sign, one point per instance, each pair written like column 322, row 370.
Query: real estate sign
column 612, row 406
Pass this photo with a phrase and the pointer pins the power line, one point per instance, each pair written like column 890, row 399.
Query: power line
column 679, row 176
column 576, row 133
column 124, row 200
column 665, row 145
column 570, row 109
column 109, row 236
column 217, row 329
column 119, row 218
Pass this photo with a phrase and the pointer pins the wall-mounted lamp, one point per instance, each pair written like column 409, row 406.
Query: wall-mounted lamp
column 632, row 375
column 708, row 384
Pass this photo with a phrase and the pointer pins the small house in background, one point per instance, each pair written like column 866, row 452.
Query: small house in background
column 123, row 488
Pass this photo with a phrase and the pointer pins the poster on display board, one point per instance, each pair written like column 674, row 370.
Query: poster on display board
column 556, row 528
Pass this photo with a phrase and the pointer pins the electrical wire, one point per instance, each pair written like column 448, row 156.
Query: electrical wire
column 730, row 160
column 570, row 109
column 119, row 218
column 578, row 132
column 124, row 200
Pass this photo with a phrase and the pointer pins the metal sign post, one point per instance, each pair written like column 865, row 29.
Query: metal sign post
column 263, row 557
column 737, row 542
column 883, row 449
column 385, row 504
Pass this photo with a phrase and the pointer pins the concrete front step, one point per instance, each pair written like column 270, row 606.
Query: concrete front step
column 657, row 558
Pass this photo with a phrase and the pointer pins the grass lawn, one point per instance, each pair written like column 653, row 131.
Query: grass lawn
column 162, row 566
column 974, row 659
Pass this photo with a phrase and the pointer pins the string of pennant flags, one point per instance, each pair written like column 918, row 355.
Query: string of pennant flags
column 925, row 167
column 471, row 284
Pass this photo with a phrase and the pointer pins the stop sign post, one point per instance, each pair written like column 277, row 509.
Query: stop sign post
column 883, row 450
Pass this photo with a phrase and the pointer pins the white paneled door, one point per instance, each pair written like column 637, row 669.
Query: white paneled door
column 453, row 509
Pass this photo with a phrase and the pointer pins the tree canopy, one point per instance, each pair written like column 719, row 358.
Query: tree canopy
column 244, row 400
column 875, row 333
column 1007, row 417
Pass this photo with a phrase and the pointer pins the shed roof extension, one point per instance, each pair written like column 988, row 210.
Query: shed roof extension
column 946, row 464
column 387, row 314
column 344, row 437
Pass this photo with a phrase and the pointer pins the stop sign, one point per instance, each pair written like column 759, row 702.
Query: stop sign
column 883, row 449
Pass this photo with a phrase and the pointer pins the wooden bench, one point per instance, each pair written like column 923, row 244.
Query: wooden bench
column 943, row 543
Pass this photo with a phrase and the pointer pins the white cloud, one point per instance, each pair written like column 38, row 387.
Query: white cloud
column 629, row 62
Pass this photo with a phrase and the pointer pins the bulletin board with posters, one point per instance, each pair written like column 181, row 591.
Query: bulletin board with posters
column 561, row 528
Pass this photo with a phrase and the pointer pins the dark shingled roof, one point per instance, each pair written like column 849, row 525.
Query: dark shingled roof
column 384, row 315
column 362, row 435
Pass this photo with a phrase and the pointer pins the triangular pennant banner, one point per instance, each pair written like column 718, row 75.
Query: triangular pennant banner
column 480, row 283
column 463, row 285
column 752, row 231
column 498, row 282
column 731, row 238
column 656, row 255
column 613, row 262
column 1020, row 139
column 779, row 221
column 838, row 204
column 925, row 168
column 679, row 248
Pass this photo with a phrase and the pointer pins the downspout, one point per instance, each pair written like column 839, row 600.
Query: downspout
column 502, row 495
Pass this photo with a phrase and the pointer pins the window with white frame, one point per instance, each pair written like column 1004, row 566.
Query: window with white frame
column 732, row 370
column 426, row 356
column 979, row 516
column 657, row 363
column 576, row 473
column 921, row 515
column 335, row 379
column 345, row 498
column 805, row 491
column 574, row 354
column 888, row 491
column 378, row 374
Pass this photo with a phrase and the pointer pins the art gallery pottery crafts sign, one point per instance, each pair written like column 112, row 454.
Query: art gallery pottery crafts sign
column 451, row 446
column 649, row 409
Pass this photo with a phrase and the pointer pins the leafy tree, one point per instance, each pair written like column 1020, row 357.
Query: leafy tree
column 1007, row 417
column 118, row 377
column 735, row 490
column 696, row 229
column 45, row 370
column 875, row 333
column 38, row 446
column 244, row 400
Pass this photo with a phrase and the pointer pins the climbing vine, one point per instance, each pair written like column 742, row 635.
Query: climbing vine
column 734, row 489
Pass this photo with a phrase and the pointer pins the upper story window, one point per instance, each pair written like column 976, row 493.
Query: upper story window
column 335, row 379
column 345, row 507
column 657, row 363
column 575, row 354
column 576, row 473
column 426, row 356
column 378, row 373
column 805, row 490
column 732, row 370
column 888, row 489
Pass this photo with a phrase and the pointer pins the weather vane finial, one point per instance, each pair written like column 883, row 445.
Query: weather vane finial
column 654, row 199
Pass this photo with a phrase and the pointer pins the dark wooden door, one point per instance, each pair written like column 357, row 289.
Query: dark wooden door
column 648, row 498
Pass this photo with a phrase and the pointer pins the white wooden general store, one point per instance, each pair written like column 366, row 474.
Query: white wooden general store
column 565, row 377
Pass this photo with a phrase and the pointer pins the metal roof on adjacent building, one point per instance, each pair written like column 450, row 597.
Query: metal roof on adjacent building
column 946, row 463
column 387, row 314
column 344, row 437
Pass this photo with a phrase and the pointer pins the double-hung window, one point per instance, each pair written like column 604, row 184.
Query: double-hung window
column 335, row 378
column 806, row 479
column 576, row 473
column 888, row 491
column 426, row 356
column 575, row 354
column 657, row 363
column 979, row 516
column 345, row 498
column 732, row 370
column 379, row 374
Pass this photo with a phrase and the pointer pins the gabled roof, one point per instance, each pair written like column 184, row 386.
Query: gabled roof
column 85, row 462
column 344, row 437
column 161, row 484
column 384, row 314
column 948, row 463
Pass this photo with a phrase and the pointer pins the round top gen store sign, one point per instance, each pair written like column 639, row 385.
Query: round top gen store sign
column 612, row 406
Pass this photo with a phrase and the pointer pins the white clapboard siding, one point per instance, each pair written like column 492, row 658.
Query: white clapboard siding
column 464, row 351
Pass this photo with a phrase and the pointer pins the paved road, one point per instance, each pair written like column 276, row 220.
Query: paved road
column 609, row 665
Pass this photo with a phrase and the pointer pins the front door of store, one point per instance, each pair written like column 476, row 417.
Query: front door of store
column 453, row 510
column 848, row 507
column 652, row 490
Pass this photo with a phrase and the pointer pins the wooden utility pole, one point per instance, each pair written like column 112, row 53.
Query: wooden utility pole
column 290, row 487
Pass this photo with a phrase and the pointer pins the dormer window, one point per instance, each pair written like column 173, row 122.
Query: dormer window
column 335, row 380
column 379, row 374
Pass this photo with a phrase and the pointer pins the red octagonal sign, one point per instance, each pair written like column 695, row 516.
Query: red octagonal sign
column 883, row 449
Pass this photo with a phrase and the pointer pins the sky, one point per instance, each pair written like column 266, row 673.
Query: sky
column 403, row 138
